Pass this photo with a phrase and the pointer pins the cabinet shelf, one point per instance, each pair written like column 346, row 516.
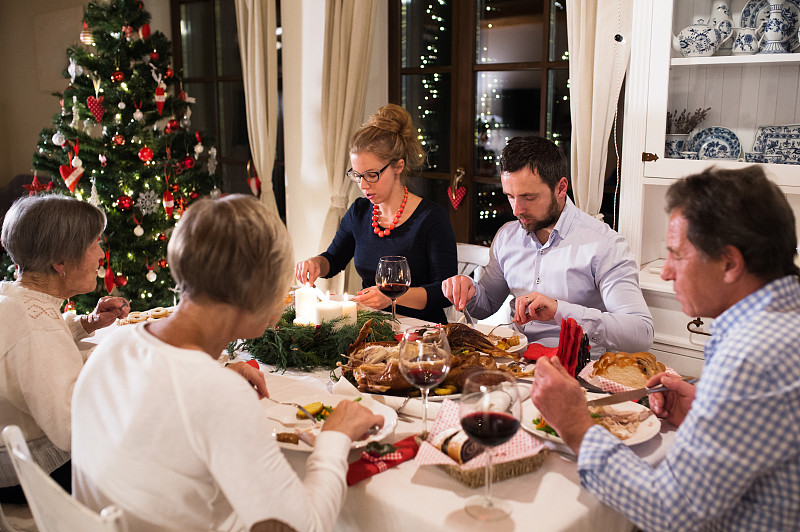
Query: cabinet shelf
column 786, row 176
column 756, row 59
column 650, row 278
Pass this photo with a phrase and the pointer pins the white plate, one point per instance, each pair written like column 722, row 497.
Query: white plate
column 505, row 332
column 282, row 418
column 646, row 430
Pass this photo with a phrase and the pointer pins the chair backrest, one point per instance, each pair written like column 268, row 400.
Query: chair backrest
column 53, row 509
column 472, row 259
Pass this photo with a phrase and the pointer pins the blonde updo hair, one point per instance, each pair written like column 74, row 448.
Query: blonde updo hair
column 390, row 135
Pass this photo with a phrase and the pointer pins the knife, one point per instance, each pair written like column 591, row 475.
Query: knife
column 633, row 395
column 468, row 318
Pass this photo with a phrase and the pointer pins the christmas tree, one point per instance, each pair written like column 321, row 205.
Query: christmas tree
column 123, row 141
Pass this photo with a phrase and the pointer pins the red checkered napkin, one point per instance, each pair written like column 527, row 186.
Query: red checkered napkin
column 608, row 385
column 521, row 445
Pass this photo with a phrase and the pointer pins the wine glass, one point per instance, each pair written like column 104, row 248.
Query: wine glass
column 424, row 361
column 490, row 411
column 393, row 278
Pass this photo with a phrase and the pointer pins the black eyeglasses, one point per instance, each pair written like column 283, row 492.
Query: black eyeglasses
column 369, row 177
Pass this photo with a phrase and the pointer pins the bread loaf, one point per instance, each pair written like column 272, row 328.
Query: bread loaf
column 628, row 369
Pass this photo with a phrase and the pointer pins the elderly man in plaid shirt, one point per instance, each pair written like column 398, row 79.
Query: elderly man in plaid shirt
column 735, row 463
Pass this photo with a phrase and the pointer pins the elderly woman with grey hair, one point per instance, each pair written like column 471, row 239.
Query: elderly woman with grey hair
column 53, row 241
column 180, row 444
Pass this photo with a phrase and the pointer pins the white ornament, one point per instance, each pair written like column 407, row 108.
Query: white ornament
column 76, row 162
column 59, row 139
column 138, row 115
column 198, row 149
column 215, row 193
column 121, row 105
column 212, row 161
column 138, row 231
column 101, row 272
column 88, row 124
column 148, row 202
column 151, row 276
column 94, row 198
column 74, row 69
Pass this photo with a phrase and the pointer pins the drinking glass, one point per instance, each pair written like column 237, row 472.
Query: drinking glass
column 424, row 361
column 393, row 278
column 490, row 410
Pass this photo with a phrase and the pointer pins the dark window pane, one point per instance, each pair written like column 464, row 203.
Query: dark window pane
column 196, row 46
column 491, row 211
column 425, row 30
column 432, row 189
column 204, row 115
column 559, row 125
column 427, row 98
column 234, row 178
column 233, row 141
column 509, row 31
column 229, row 62
column 558, row 30
column 507, row 105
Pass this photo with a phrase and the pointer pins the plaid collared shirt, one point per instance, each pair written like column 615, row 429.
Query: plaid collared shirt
column 735, row 463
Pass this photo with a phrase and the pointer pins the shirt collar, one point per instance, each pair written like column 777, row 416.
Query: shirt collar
column 563, row 224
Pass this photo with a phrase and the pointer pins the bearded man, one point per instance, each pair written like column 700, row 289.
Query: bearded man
column 556, row 261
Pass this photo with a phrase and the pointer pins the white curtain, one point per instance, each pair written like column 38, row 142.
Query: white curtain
column 597, row 64
column 348, row 38
column 255, row 22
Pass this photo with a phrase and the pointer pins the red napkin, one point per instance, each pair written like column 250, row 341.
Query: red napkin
column 569, row 346
column 369, row 465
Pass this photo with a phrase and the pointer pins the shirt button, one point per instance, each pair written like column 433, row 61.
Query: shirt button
column 541, row 252
column 538, row 280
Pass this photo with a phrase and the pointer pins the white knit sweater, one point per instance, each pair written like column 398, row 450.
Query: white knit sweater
column 39, row 364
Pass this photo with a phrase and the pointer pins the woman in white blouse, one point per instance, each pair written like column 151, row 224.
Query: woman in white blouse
column 53, row 241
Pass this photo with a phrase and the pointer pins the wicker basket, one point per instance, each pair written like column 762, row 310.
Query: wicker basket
column 473, row 478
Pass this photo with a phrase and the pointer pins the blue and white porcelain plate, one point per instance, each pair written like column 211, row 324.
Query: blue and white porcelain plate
column 786, row 145
column 716, row 143
column 756, row 12
column 765, row 131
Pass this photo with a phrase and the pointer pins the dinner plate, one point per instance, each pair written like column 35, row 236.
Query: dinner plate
column 505, row 332
column 756, row 12
column 716, row 143
column 283, row 418
column 647, row 429
column 336, row 374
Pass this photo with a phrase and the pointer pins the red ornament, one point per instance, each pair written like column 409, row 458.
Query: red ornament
column 118, row 139
column 96, row 107
column 124, row 203
column 456, row 197
column 172, row 125
column 154, row 56
column 108, row 280
column 169, row 202
column 128, row 31
column 194, row 195
column 117, row 76
column 146, row 154
column 180, row 203
column 162, row 263
column 187, row 162
column 255, row 185
column 120, row 280
column 69, row 306
column 71, row 175
column 161, row 96
column 169, row 73
column 144, row 32
column 162, row 237
column 375, row 214
column 35, row 187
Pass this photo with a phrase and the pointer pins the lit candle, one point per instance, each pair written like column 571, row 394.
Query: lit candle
column 327, row 310
column 305, row 299
column 349, row 310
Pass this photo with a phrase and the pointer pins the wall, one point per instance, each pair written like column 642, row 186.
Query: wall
column 307, row 194
column 35, row 34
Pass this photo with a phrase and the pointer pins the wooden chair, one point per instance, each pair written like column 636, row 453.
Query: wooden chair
column 54, row 510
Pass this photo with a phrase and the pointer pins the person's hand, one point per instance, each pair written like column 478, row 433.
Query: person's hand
column 372, row 298
column 534, row 306
column 561, row 401
column 308, row 271
column 352, row 419
column 458, row 289
column 251, row 375
column 675, row 404
column 107, row 310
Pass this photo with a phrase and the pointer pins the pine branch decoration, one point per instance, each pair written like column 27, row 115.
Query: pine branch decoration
column 306, row 347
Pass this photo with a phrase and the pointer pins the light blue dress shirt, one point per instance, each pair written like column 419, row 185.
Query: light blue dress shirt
column 735, row 463
column 586, row 266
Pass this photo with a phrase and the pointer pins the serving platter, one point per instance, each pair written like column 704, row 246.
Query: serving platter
column 756, row 13
column 283, row 418
column 646, row 430
column 505, row 332
column 716, row 143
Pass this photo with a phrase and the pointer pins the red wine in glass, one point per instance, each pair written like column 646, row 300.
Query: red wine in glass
column 424, row 361
column 425, row 378
column 393, row 290
column 393, row 277
column 490, row 428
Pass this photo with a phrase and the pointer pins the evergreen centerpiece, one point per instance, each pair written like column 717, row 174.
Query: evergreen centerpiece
column 123, row 141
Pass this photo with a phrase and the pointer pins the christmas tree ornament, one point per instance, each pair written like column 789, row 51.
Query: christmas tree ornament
column 121, row 105
column 117, row 76
column 69, row 306
column 148, row 202
column 169, row 73
column 162, row 237
column 96, row 107
column 252, row 180
column 161, row 96
column 138, row 231
column 138, row 115
column 146, row 154
column 69, row 173
column 76, row 162
column 108, row 278
column 36, row 186
column 127, row 31
column 169, row 203
column 94, row 198
column 194, row 195
column 103, row 160
column 59, row 139
column 172, row 126
column 198, row 148
column 162, row 263
column 215, row 193
column 212, row 161
column 86, row 35
column 120, row 280
column 151, row 276
column 144, row 32
column 187, row 162
column 154, row 56
column 118, row 139
column 74, row 70
column 101, row 272
column 124, row 203
column 75, row 117
column 180, row 203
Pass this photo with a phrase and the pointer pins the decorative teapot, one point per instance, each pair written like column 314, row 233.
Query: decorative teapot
column 697, row 40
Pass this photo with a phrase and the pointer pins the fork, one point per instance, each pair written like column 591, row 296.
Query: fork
column 373, row 430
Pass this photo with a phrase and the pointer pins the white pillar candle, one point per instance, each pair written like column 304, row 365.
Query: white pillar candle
column 305, row 301
column 349, row 311
column 327, row 311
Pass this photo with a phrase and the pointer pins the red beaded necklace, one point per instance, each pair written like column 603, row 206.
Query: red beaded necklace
column 375, row 214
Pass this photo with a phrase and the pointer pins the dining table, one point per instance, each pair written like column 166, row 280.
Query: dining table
column 411, row 496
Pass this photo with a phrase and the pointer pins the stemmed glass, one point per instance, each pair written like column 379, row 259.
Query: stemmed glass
column 424, row 361
column 490, row 410
column 393, row 278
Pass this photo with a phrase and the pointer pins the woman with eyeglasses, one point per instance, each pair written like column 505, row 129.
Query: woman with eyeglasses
column 390, row 220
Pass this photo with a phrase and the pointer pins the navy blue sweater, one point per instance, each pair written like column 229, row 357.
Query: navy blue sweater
column 426, row 239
